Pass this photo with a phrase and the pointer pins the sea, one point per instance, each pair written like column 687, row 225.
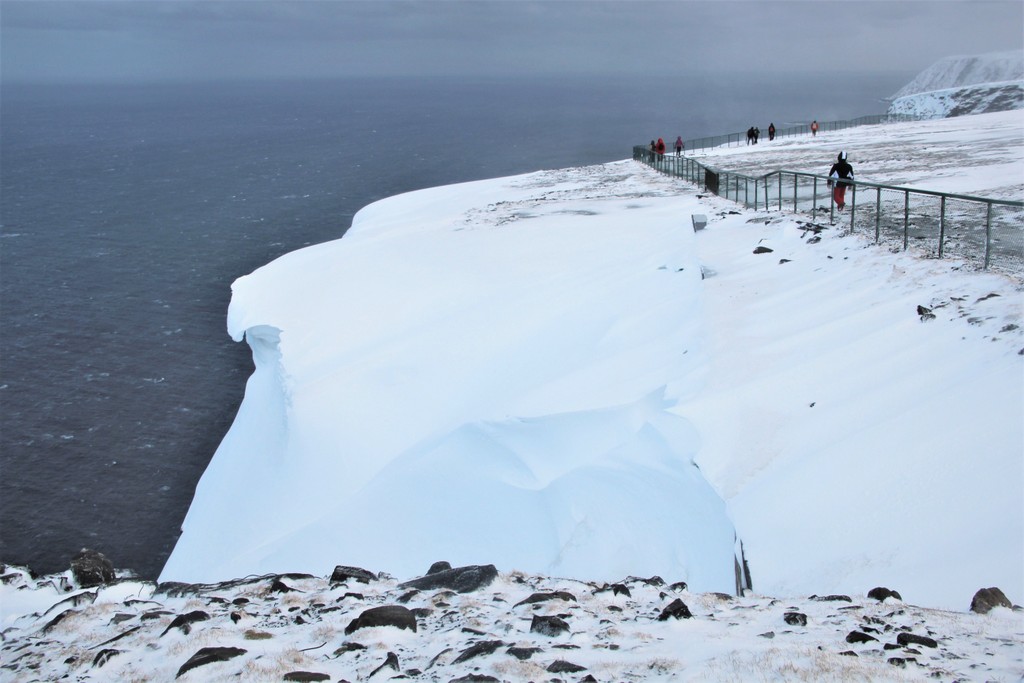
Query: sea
column 127, row 210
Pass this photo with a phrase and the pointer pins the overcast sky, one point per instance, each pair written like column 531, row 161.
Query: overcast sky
column 99, row 40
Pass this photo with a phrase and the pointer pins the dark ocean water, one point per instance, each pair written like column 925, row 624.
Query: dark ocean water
column 127, row 211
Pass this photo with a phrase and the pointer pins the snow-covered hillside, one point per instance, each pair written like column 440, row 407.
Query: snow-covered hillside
column 958, row 86
column 525, row 371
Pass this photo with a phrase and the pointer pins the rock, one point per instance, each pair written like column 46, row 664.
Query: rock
column 675, row 610
column 475, row 678
column 881, row 594
column 795, row 618
column 925, row 313
column 91, row 568
column 279, row 586
column 544, row 597
column 831, row 598
column 390, row 662
column 548, row 626
column 763, row 250
column 478, row 650
column 349, row 647
column 462, row 580
column 387, row 615
column 209, row 655
column 438, row 567
column 859, row 637
column 522, row 653
column 678, row 586
column 103, row 656
column 905, row 639
column 343, row 573
column 987, row 598
column 561, row 666
column 185, row 621
column 306, row 676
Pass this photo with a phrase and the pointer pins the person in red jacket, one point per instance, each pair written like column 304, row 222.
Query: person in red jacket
column 661, row 147
column 839, row 176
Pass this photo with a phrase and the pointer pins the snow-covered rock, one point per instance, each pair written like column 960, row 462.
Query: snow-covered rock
column 958, row 86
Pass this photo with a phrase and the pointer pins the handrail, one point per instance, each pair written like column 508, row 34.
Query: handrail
column 998, row 223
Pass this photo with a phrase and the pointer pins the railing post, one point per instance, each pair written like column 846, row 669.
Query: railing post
column 988, row 234
column 942, row 223
column 794, row 192
column 878, row 215
column 853, row 205
column 906, row 219
column 814, row 199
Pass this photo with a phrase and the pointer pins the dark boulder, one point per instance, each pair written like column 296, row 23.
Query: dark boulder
column 209, row 655
column 343, row 573
column 676, row 609
column 881, row 594
column 795, row 618
column 103, row 656
column 462, row 579
column 859, row 637
column 185, row 621
column 548, row 626
column 987, row 598
column 306, row 676
column 390, row 662
column 561, row 666
column 522, row 653
column 388, row 615
column 91, row 568
column 544, row 597
column 478, row 650
column 438, row 567
column 905, row 639
column 475, row 678
column 763, row 250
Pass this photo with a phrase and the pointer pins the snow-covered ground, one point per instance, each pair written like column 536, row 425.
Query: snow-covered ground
column 507, row 627
column 975, row 155
column 522, row 371
column 553, row 373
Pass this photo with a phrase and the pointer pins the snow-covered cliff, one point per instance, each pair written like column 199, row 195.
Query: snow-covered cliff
column 957, row 86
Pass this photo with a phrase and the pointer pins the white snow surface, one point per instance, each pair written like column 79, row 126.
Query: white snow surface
column 532, row 372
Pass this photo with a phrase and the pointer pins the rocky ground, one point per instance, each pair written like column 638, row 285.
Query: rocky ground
column 478, row 624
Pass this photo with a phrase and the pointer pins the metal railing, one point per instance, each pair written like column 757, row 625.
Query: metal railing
column 982, row 231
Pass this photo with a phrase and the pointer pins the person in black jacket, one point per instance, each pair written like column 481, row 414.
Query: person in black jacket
column 839, row 176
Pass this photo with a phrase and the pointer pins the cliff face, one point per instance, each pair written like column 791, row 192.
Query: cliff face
column 958, row 86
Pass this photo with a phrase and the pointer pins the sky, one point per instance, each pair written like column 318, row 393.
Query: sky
column 186, row 40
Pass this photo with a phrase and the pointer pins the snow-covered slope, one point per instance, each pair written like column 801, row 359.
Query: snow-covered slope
column 957, row 86
column 522, row 371
column 959, row 72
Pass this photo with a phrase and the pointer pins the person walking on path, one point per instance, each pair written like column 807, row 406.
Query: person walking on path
column 814, row 128
column 679, row 145
column 839, row 176
column 661, row 147
column 771, row 132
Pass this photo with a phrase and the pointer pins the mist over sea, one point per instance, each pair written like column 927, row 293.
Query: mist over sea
column 127, row 211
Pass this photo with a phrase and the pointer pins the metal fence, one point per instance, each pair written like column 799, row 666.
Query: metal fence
column 982, row 231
